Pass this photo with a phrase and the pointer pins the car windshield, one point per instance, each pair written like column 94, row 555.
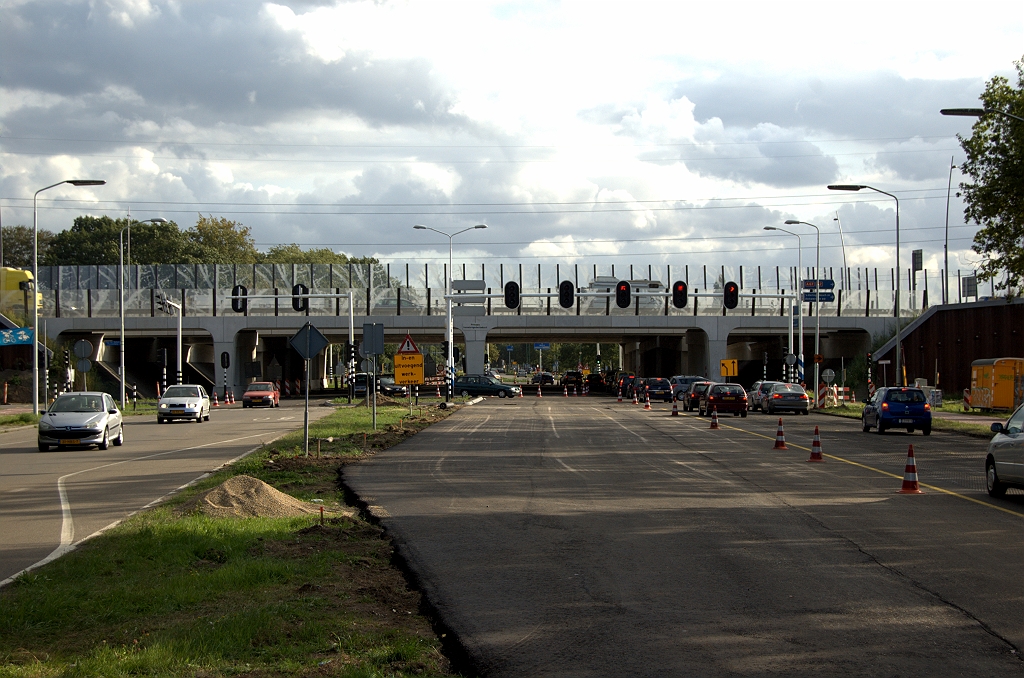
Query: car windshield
column 788, row 388
column 77, row 403
column 181, row 392
column 658, row 383
column 767, row 386
column 260, row 386
column 730, row 389
column 906, row 396
column 386, row 380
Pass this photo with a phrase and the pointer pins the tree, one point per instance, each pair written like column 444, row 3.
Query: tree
column 293, row 254
column 17, row 242
column 97, row 241
column 216, row 240
column 995, row 165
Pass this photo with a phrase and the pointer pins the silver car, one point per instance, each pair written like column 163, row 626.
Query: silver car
column 79, row 419
column 1004, row 464
column 184, row 401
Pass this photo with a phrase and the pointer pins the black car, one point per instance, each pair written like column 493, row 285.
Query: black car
column 484, row 385
column 387, row 386
column 658, row 389
column 596, row 383
column 543, row 378
column 691, row 399
column 572, row 378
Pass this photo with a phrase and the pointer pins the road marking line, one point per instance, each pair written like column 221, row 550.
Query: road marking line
column 885, row 473
column 67, row 528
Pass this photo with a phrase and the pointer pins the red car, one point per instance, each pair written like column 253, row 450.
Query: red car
column 725, row 398
column 261, row 393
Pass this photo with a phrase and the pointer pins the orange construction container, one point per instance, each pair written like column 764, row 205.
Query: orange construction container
column 992, row 382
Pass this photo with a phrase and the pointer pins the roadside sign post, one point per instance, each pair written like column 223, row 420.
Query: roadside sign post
column 408, row 365
column 790, row 361
column 373, row 346
column 308, row 342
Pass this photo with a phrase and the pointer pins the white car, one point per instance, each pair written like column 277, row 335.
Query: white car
column 183, row 401
column 1004, row 464
column 81, row 418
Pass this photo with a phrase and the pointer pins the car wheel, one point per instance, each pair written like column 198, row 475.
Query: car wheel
column 119, row 440
column 771, row 409
column 44, row 448
column 926, row 430
column 994, row 486
column 161, row 420
column 743, row 414
column 501, row 394
column 807, row 412
column 880, row 427
column 105, row 443
column 244, row 406
column 207, row 417
column 910, row 429
column 199, row 417
column 864, row 426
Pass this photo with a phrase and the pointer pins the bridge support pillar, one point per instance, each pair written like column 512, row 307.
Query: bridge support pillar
column 716, row 354
column 474, row 331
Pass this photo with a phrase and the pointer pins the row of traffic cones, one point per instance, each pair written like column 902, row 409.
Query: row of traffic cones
column 229, row 399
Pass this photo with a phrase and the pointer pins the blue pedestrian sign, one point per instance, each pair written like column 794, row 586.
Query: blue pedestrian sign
column 509, row 348
column 545, row 346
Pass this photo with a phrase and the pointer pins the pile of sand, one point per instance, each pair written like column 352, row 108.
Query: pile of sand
column 247, row 497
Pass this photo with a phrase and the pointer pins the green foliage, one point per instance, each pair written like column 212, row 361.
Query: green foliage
column 995, row 165
column 18, row 245
column 97, row 240
column 293, row 254
column 216, row 240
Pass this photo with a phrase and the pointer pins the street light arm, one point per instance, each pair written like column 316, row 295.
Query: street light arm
column 978, row 112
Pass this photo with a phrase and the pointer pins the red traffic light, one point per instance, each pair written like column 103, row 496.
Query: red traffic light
column 679, row 294
column 731, row 295
column 622, row 294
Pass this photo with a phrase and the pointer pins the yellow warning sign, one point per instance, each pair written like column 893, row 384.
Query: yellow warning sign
column 730, row 368
column 408, row 369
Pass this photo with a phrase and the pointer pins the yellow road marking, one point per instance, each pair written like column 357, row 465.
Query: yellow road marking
column 876, row 470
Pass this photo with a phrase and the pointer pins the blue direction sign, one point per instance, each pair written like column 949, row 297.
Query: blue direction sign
column 822, row 285
column 545, row 346
column 823, row 297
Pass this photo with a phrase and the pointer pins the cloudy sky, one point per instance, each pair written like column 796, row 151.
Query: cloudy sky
column 590, row 133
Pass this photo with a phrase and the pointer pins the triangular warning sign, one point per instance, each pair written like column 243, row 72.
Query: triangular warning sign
column 408, row 346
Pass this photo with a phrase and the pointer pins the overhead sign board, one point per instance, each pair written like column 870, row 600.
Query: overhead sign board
column 544, row 346
column 823, row 297
column 822, row 284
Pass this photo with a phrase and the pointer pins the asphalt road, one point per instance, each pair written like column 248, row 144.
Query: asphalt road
column 50, row 501
column 581, row 537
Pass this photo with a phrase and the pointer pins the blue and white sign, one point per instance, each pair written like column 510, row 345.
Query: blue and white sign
column 545, row 346
column 509, row 348
column 823, row 297
column 22, row 335
column 823, row 284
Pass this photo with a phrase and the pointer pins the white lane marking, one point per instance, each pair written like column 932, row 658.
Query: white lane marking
column 67, row 529
column 284, row 418
column 553, row 429
column 19, row 489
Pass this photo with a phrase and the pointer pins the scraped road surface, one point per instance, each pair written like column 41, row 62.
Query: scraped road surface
column 583, row 537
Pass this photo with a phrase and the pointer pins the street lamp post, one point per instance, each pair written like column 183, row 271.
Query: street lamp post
column 817, row 301
column 35, row 279
column 945, row 246
column 121, row 372
column 978, row 112
column 799, row 301
column 449, row 327
column 857, row 187
column 842, row 241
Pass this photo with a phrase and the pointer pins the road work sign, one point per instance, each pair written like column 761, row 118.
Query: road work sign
column 408, row 363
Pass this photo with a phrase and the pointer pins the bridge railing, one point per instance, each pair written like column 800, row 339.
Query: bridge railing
column 420, row 301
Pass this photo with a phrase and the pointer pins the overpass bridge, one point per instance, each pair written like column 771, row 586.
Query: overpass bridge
column 653, row 336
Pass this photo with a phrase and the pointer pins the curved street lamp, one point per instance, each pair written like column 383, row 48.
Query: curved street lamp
column 121, row 371
column 35, row 281
column 449, row 328
column 857, row 187
column 799, row 301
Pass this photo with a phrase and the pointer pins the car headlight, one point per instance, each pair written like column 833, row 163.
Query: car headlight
column 163, row 406
column 45, row 425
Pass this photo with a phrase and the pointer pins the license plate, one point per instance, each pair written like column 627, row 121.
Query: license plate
column 71, row 441
column 728, row 398
column 177, row 411
column 257, row 400
column 906, row 421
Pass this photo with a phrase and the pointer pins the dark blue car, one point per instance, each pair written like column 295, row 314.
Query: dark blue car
column 897, row 407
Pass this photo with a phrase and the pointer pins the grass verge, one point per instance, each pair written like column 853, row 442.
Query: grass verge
column 167, row 594
column 8, row 421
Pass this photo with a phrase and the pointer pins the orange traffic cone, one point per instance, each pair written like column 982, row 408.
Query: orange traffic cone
column 620, row 394
column 816, row 447
column 439, row 391
column 231, row 394
column 636, row 401
column 714, row 418
column 574, row 394
column 521, row 392
column 538, row 391
column 780, row 438
column 647, row 400
column 675, row 407
column 565, row 391
column 910, row 485
column 216, row 403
